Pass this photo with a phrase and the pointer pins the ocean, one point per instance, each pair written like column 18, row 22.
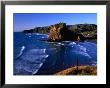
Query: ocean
column 34, row 56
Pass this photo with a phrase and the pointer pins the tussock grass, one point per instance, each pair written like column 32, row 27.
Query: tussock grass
column 82, row 70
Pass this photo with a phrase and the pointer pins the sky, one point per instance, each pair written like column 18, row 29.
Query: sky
column 26, row 21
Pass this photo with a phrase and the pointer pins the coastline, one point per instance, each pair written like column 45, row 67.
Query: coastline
column 82, row 70
column 60, row 54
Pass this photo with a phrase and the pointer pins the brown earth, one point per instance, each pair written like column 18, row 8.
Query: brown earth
column 82, row 70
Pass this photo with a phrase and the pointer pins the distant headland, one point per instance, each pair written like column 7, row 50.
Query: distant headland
column 63, row 32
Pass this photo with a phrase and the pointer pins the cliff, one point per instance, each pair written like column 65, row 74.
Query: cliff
column 62, row 32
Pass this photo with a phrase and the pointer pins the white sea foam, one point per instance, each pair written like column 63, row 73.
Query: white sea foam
column 66, row 41
column 72, row 44
column 23, row 47
column 60, row 44
column 38, row 34
column 31, row 61
column 35, row 55
column 34, row 72
column 28, row 34
column 21, row 51
column 37, row 51
column 94, row 63
column 43, row 37
column 82, row 48
column 85, row 54
column 82, row 51
column 46, row 35
column 27, row 67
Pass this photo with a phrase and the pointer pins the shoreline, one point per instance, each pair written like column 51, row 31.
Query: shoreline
column 81, row 70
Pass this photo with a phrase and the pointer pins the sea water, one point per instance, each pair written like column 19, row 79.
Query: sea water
column 34, row 56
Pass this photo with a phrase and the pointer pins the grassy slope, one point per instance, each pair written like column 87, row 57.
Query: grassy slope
column 82, row 70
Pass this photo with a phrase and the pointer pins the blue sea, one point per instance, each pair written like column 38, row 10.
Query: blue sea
column 34, row 56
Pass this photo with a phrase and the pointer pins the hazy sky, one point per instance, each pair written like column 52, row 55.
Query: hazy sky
column 26, row 21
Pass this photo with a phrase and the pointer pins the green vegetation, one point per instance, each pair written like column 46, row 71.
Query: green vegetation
column 63, row 32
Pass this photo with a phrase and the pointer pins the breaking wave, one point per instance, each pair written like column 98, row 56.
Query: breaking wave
column 85, row 49
column 31, row 61
column 31, row 53
column 21, row 51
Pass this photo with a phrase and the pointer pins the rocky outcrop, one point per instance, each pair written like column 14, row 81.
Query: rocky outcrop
column 62, row 32
column 43, row 30
column 55, row 32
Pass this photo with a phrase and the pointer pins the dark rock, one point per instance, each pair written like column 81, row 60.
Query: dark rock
column 62, row 32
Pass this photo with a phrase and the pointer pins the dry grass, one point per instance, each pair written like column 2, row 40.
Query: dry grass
column 82, row 70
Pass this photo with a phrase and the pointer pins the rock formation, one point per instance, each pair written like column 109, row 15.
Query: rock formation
column 62, row 32
column 55, row 32
column 59, row 32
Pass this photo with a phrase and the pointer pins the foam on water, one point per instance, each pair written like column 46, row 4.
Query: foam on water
column 72, row 43
column 28, row 34
column 45, row 35
column 60, row 43
column 25, row 67
column 94, row 63
column 31, row 61
column 37, row 51
column 21, row 51
column 34, row 72
column 80, row 49
column 32, row 54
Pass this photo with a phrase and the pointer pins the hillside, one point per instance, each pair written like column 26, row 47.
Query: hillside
column 61, row 31
column 82, row 70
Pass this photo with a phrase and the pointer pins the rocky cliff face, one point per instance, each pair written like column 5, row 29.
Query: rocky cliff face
column 62, row 32
column 55, row 32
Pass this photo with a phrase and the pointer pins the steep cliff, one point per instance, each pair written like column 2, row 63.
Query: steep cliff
column 62, row 32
